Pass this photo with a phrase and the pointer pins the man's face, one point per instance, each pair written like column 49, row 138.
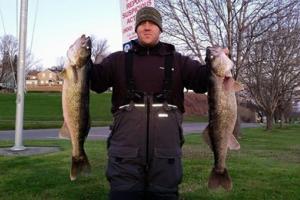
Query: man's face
column 148, row 33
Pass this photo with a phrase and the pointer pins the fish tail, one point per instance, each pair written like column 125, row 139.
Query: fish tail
column 64, row 132
column 80, row 165
column 217, row 179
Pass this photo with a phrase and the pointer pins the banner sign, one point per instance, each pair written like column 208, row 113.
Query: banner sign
column 129, row 9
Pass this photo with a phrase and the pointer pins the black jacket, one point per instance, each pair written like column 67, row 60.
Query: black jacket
column 148, row 74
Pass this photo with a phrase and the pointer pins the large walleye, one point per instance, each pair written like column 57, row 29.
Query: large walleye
column 222, row 115
column 75, row 102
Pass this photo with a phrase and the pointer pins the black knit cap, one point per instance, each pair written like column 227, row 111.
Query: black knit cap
column 148, row 14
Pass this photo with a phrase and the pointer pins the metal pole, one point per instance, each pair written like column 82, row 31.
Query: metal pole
column 21, row 71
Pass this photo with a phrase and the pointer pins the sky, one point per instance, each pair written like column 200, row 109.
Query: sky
column 60, row 22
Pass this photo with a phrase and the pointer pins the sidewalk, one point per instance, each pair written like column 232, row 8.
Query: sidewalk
column 97, row 132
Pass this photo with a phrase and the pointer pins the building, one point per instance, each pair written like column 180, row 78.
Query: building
column 47, row 77
column 47, row 80
column 31, row 78
column 296, row 101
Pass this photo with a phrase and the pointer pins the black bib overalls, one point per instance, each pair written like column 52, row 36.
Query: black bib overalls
column 144, row 147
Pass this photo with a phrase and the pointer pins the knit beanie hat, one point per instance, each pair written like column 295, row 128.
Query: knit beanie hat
column 148, row 14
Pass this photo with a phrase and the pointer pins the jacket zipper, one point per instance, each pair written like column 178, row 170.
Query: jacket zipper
column 147, row 131
column 146, row 169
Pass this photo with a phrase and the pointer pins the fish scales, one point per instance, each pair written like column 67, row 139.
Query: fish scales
column 222, row 116
column 75, row 101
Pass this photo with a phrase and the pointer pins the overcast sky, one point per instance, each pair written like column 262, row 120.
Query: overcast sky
column 60, row 22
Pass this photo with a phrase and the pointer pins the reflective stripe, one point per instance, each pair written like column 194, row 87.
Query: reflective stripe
column 161, row 105
column 163, row 115
column 135, row 105
column 139, row 105
column 143, row 105
column 124, row 106
column 173, row 106
column 157, row 105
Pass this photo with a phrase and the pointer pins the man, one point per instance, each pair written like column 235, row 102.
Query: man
column 144, row 147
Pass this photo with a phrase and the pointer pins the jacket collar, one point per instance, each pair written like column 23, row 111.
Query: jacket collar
column 160, row 48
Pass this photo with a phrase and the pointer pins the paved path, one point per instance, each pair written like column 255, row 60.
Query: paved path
column 95, row 132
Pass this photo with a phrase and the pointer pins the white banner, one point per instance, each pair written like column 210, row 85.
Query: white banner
column 129, row 9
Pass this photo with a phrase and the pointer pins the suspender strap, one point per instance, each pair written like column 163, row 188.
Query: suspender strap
column 129, row 72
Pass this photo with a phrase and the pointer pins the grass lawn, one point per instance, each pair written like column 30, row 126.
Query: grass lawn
column 266, row 167
column 44, row 110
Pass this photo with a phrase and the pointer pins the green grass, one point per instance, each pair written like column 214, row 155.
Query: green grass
column 266, row 167
column 44, row 110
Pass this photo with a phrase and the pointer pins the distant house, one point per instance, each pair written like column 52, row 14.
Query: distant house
column 296, row 101
column 47, row 77
column 32, row 78
column 47, row 80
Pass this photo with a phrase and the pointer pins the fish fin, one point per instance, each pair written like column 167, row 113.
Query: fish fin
column 80, row 166
column 238, row 86
column 217, row 179
column 233, row 144
column 206, row 137
column 228, row 84
column 64, row 132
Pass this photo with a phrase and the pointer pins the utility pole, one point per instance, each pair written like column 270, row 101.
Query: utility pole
column 21, row 71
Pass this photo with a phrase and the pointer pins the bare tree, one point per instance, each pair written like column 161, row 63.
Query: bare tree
column 193, row 25
column 99, row 49
column 60, row 62
column 272, row 71
column 8, row 60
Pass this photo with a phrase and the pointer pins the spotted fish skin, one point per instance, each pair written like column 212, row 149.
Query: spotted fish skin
column 75, row 102
column 222, row 115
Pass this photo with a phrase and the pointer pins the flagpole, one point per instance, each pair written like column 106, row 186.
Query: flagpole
column 20, row 76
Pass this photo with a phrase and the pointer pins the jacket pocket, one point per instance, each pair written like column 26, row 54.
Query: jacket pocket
column 123, row 169
column 166, row 169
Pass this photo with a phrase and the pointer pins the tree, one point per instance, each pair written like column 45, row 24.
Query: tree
column 60, row 63
column 99, row 49
column 8, row 64
column 272, row 71
column 8, row 60
column 193, row 25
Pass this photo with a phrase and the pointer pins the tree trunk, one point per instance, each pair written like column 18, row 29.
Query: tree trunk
column 281, row 119
column 270, row 119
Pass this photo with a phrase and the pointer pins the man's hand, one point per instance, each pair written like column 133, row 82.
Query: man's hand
column 210, row 53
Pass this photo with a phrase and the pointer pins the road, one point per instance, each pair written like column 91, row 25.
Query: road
column 95, row 132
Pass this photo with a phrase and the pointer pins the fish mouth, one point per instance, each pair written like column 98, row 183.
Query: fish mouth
column 86, row 42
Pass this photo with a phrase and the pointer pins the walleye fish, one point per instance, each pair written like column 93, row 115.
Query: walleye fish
column 75, row 102
column 222, row 115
